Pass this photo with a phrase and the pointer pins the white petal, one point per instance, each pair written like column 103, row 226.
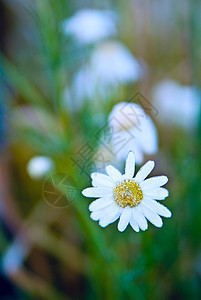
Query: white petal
column 111, row 215
column 101, row 203
column 130, row 165
column 139, row 218
column 157, row 207
column 96, row 215
column 114, row 173
column 99, row 179
column 154, row 182
column 157, row 194
column 144, row 171
column 124, row 219
column 94, row 192
column 151, row 215
column 134, row 224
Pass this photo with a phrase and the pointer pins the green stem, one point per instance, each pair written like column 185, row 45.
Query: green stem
column 97, row 245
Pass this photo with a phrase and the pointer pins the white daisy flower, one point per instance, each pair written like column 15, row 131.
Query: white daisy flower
column 39, row 166
column 132, row 129
column 90, row 25
column 177, row 104
column 113, row 62
column 131, row 199
column 110, row 66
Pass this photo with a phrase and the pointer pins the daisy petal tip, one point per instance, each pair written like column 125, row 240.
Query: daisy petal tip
column 91, row 216
column 122, row 226
column 90, row 207
column 113, row 173
column 169, row 214
column 131, row 157
column 93, row 175
column 83, row 192
column 87, row 192
column 120, row 229
column 94, row 216
column 144, row 228
column 102, row 224
column 144, row 171
column 159, row 224
column 130, row 165
column 136, row 229
column 166, row 179
column 131, row 154
column 152, row 163
column 135, row 226
column 166, row 194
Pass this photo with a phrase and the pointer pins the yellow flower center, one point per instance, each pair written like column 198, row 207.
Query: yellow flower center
column 128, row 193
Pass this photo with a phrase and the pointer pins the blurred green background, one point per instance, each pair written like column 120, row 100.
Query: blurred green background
column 54, row 250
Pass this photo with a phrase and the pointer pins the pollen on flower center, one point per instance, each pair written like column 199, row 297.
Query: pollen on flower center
column 128, row 193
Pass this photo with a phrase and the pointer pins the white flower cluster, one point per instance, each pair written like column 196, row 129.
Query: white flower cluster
column 110, row 64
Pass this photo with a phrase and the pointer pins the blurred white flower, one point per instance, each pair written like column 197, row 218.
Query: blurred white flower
column 132, row 200
column 177, row 104
column 111, row 65
column 132, row 129
column 90, row 25
column 83, row 88
column 39, row 166
column 15, row 255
